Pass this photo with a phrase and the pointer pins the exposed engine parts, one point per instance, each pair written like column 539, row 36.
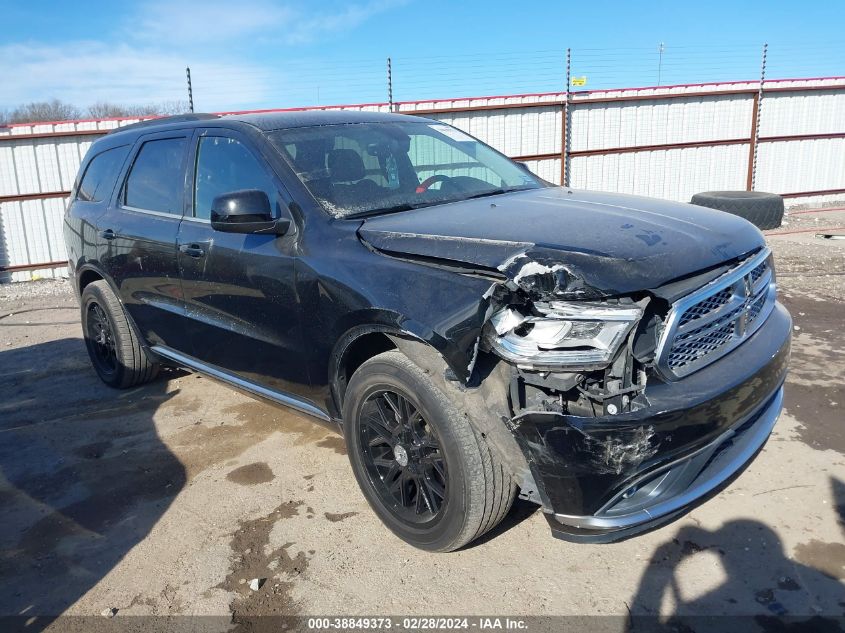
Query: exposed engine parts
column 573, row 357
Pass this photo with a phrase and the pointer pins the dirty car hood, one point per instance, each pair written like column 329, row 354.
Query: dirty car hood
column 604, row 244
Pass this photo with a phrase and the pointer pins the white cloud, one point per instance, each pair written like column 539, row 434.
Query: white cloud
column 160, row 38
column 309, row 27
column 189, row 22
column 86, row 72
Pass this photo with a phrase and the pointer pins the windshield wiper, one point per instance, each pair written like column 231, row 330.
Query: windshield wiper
column 394, row 209
column 496, row 192
column 406, row 206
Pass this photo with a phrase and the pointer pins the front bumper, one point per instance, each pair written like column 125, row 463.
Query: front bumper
column 603, row 479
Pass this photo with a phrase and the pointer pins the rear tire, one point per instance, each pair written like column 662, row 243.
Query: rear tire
column 402, row 484
column 113, row 346
column 763, row 210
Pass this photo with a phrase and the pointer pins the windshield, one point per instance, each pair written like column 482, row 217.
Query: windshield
column 361, row 169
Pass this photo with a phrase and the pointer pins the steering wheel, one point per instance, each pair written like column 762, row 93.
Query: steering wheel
column 425, row 184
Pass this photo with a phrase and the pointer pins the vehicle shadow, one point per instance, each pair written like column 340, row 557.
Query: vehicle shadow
column 750, row 583
column 84, row 477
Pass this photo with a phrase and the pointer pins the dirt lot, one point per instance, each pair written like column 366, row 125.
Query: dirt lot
column 169, row 498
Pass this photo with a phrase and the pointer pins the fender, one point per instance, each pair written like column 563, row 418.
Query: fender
column 380, row 322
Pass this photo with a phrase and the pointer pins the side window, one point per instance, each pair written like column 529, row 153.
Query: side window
column 100, row 174
column 224, row 165
column 155, row 180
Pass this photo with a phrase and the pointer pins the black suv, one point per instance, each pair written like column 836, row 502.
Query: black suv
column 474, row 330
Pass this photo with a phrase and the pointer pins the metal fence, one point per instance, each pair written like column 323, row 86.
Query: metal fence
column 782, row 135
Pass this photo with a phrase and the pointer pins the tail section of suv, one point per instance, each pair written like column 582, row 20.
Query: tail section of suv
column 475, row 332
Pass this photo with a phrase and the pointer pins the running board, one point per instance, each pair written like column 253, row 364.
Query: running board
column 215, row 372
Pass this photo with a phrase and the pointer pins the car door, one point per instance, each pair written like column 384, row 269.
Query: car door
column 239, row 291
column 138, row 232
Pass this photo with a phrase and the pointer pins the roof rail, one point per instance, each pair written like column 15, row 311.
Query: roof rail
column 158, row 120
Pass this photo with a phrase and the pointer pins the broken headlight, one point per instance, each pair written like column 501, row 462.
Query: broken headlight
column 566, row 335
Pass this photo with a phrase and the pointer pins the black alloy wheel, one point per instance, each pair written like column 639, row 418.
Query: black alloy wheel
column 403, row 457
column 101, row 340
column 428, row 474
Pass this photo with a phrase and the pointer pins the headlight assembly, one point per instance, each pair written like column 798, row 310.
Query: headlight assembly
column 567, row 336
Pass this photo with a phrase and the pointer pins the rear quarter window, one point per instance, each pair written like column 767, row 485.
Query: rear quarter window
column 98, row 180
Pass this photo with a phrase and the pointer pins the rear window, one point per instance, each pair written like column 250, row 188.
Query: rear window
column 155, row 182
column 99, row 177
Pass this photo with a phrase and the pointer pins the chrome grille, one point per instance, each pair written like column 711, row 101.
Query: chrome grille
column 710, row 322
column 756, row 308
column 706, row 306
column 759, row 271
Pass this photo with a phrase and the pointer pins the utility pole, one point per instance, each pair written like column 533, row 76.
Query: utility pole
column 755, row 132
column 190, row 90
column 660, row 48
column 564, row 150
column 389, row 85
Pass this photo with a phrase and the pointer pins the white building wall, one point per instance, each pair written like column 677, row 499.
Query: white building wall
column 31, row 230
column 807, row 165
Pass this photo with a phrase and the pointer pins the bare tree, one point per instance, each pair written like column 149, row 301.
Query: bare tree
column 172, row 107
column 52, row 110
column 55, row 110
column 104, row 109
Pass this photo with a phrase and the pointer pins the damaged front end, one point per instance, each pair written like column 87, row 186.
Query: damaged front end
column 638, row 381
column 572, row 351
column 613, row 445
column 573, row 348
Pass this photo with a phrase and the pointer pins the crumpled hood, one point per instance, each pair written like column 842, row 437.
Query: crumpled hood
column 598, row 244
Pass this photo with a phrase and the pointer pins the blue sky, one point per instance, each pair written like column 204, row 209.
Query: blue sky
column 260, row 53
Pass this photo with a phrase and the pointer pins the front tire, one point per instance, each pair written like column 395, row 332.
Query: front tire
column 113, row 346
column 427, row 473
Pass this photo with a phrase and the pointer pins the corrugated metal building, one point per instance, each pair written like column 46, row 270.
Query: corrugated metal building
column 667, row 142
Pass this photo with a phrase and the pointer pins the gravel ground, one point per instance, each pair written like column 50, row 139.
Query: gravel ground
column 808, row 264
column 168, row 499
column 22, row 293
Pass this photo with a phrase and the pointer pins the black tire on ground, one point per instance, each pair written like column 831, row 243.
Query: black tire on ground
column 113, row 345
column 477, row 490
column 763, row 210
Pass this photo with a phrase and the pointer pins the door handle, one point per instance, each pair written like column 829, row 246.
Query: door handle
column 108, row 234
column 193, row 250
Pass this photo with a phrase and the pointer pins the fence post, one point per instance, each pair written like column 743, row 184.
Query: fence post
column 660, row 49
column 190, row 90
column 389, row 85
column 565, row 131
column 755, row 126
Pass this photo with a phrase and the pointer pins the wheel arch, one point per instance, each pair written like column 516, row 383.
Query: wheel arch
column 354, row 348
column 379, row 333
column 88, row 273
column 86, row 276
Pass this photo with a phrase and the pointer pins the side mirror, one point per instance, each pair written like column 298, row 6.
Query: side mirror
column 246, row 211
